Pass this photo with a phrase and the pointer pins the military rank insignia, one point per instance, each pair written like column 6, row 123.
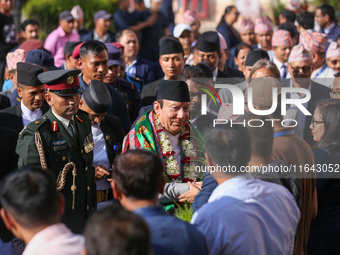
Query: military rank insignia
column 54, row 126
column 37, row 122
column 70, row 80
column 79, row 119
column 88, row 143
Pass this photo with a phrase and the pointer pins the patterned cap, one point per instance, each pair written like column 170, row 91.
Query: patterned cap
column 263, row 25
column 246, row 25
column 190, row 16
column 77, row 12
column 313, row 41
column 15, row 57
column 333, row 50
column 223, row 43
column 294, row 5
column 282, row 38
column 299, row 53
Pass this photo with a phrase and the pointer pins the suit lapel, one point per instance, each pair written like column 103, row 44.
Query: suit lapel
column 80, row 130
column 108, row 137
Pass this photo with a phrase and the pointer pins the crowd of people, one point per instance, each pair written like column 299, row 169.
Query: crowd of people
column 105, row 135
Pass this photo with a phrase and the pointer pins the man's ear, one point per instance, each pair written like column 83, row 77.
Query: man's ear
column 19, row 90
column 83, row 251
column 226, row 54
column 81, row 104
column 11, row 76
column 48, row 99
column 80, row 64
column 7, row 219
column 156, row 107
column 115, row 190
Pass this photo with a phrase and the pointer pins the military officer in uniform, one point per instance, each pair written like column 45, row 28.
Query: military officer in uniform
column 128, row 90
column 61, row 141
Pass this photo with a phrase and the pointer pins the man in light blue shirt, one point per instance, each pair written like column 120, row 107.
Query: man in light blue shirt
column 243, row 215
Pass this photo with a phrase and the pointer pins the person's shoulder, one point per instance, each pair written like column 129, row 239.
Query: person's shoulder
column 154, row 83
column 40, row 123
column 125, row 83
column 320, row 88
column 143, row 61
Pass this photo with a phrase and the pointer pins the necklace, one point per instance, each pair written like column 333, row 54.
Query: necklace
column 172, row 168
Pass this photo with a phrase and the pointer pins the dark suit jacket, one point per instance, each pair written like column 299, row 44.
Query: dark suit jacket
column 144, row 70
column 233, row 72
column 89, row 36
column 114, row 134
column 332, row 35
column 231, row 39
column 8, row 159
column 11, row 117
column 318, row 92
column 4, row 102
column 149, row 92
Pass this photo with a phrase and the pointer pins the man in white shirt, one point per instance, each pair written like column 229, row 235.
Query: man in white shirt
column 282, row 45
column 32, row 209
column 32, row 92
column 243, row 215
column 108, row 135
column 314, row 43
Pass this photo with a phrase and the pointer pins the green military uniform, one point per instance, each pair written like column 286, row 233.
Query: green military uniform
column 46, row 142
column 60, row 148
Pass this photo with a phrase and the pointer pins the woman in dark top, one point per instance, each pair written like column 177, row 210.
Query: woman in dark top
column 324, row 236
column 225, row 27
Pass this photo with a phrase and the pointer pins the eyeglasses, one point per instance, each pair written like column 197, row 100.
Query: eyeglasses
column 334, row 94
column 305, row 69
column 315, row 122
column 335, row 61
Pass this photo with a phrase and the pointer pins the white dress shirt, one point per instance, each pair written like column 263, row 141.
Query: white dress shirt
column 215, row 72
column 174, row 141
column 280, row 67
column 100, row 154
column 131, row 69
column 27, row 115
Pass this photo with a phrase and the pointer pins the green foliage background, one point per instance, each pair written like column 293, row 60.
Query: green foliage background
column 334, row 3
column 47, row 11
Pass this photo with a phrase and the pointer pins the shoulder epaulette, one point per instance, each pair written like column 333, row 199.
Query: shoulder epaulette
column 35, row 125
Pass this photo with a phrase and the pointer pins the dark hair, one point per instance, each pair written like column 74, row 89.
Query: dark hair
column 191, row 72
column 228, row 146
column 227, row 10
column 138, row 174
column 119, row 34
column 290, row 28
column 329, row 110
column 91, row 47
column 24, row 24
column 139, row 1
column 116, row 231
column 29, row 194
column 306, row 20
column 329, row 10
column 240, row 47
column 261, row 138
column 289, row 15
